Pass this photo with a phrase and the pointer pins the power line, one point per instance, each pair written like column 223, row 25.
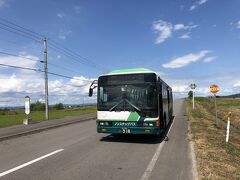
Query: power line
column 39, row 70
column 18, row 56
column 27, row 33
column 24, row 32
column 73, row 57
column 59, row 46
column 20, row 34
column 31, row 59
column 6, row 21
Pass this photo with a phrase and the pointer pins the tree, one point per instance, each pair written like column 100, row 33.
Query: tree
column 38, row 106
column 190, row 94
column 58, row 106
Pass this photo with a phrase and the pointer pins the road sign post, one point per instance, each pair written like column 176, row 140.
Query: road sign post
column 27, row 109
column 228, row 126
column 193, row 87
column 214, row 89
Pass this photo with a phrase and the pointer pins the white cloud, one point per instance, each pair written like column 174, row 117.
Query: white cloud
column 184, row 27
column 197, row 4
column 14, row 87
column 180, row 88
column 185, row 36
column 192, row 7
column 238, row 25
column 161, row 74
column 185, row 60
column 15, row 84
column 61, row 15
column 209, row 59
column 237, row 84
column 63, row 34
column 166, row 29
column 80, row 81
column 200, row 2
column 3, row 4
column 31, row 62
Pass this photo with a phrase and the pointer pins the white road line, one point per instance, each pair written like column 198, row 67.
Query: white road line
column 152, row 163
column 28, row 163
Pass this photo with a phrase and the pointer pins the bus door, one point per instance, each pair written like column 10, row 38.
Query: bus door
column 168, row 101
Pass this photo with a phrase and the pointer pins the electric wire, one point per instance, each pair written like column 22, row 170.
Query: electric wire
column 39, row 70
column 20, row 34
column 16, row 25
column 19, row 56
column 54, row 43
column 24, row 57
column 27, row 33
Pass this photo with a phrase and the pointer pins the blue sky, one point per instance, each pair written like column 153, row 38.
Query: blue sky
column 185, row 41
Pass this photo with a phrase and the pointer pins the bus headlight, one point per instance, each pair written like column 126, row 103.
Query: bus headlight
column 104, row 123
column 151, row 124
column 101, row 123
column 148, row 124
column 145, row 124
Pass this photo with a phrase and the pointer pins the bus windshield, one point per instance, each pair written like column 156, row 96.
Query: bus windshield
column 129, row 93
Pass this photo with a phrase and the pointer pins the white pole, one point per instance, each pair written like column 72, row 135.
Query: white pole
column 216, row 115
column 228, row 129
column 193, row 100
column 228, row 126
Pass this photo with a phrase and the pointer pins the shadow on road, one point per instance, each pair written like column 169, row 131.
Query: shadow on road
column 136, row 138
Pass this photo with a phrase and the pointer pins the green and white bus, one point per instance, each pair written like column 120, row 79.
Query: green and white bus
column 132, row 101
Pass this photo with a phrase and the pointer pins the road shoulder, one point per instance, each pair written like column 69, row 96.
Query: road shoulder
column 20, row 130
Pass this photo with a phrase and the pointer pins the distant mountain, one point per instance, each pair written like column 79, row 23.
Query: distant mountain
column 232, row 96
column 66, row 105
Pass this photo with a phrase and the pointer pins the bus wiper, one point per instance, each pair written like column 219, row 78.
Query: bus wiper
column 135, row 107
column 112, row 108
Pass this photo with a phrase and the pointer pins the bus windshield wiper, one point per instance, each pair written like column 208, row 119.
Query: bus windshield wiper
column 135, row 107
column 112, row 108
column 131, row 104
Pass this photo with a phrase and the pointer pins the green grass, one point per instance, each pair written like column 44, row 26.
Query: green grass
column 229, row 102
column 216, row 159
column 17, row 116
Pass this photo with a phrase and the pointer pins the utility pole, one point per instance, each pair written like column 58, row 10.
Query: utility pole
column 193, row 87
column 46, row 78
column 193, row 92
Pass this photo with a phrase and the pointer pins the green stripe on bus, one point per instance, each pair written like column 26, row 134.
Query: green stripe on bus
column 134, row 116
column 120, row 71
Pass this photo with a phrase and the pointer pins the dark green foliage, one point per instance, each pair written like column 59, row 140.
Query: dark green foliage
column 58, row 106
column 38, row 106
column 4, row 111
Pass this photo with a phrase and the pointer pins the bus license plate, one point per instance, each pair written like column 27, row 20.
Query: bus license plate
column 126, row 130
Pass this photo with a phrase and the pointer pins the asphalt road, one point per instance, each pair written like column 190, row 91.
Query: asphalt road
column 78, row 152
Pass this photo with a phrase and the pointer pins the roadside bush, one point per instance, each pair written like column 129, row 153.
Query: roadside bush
column 38, row 106
column 58, row 106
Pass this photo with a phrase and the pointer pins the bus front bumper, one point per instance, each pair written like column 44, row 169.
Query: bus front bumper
column 129, row 130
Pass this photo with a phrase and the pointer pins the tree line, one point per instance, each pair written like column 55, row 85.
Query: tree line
column 38, row 106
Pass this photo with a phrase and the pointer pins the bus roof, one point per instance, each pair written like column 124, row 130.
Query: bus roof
column 130, row 71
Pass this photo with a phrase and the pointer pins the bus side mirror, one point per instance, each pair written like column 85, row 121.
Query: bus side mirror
column 92, row 86
column 90, row 92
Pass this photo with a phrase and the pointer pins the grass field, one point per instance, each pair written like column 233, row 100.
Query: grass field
column 215, row 158
column 14, row 117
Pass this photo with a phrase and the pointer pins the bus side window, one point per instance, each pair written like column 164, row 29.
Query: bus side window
column 103, row 95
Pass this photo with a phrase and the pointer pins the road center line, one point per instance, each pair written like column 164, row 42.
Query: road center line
column 155, row 157
column 29, row 163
